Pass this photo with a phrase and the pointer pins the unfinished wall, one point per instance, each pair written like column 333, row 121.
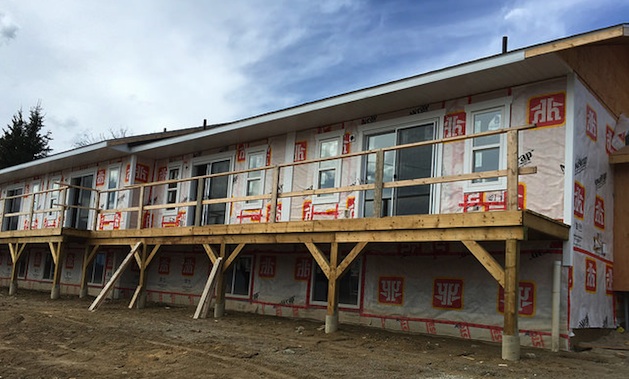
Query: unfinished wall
column 591, row 243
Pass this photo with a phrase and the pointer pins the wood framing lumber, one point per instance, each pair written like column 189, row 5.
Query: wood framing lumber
column 274, row 193
column 232, row 257
column 319, row 258
column 149, row 259
column 55, row 250
column 350, row 258
column 135, row 296
column 487, row 260
column 219, row 306
column 110, row 284
column 377, row 197
column 511, row 337
column 210, row 252
column 206, row 296
column 512, row 170
column 332, row 314
column 138, row 298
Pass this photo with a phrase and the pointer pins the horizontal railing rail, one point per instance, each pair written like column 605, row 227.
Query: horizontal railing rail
column 272, row 195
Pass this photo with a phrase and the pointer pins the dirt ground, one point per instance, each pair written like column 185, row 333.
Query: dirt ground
column 42, row 338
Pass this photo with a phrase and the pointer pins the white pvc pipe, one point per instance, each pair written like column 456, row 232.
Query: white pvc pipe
column 556, row 306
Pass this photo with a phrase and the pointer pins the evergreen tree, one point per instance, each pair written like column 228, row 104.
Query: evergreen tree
column 23, row 141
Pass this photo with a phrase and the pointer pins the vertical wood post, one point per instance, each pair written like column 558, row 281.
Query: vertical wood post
column 62, row 206
column 219, row 306
column 511, row 333
column 97, row 210
column 198, row 210
column 55, row 250
column 274, row 193
column 14, row 258
column 139, row 297
column 332, row 316
column 377, row 193
column 140, row 207
column 512, row 170
column 31, row 212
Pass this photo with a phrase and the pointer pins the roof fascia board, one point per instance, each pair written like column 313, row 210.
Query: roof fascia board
column 416, row 81
column 578, row 40
column 56, row 157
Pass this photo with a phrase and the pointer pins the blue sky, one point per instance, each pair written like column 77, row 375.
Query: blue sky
column 146, row 65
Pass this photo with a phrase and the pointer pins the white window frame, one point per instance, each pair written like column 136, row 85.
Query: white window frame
column 112, row 195
column 91, row 213
column 328, row 165
column 4, row 204
column 53, row 196
column 504, row 105
column 177, row 187
column 255, row 204
column 229, row 292
column 396, row 124
column 91, row 269
column 209, row 160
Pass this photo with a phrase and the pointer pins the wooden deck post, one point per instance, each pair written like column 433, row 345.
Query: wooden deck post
column 332, row 316
column 141, row 208
column 511, row 333
column 141, row 297
column 57, row 257
column 379, row 179
column 512, row 170
column 219, row 307
column 15, row 251
column 275, row 187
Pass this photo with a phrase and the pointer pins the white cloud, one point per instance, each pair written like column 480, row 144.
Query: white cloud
column 8, row 28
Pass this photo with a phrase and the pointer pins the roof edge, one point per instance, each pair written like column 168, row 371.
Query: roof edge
column 586, row 38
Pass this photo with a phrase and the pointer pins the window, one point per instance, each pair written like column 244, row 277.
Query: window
column 215, row 187
column 96, row 269
column 348, row 285
column 486, row 153
column 112, row 183
column 255, row 179
column 36, row 187
column 49, row 267
column 12, row 204
column 328, row 172
column 404, row 164
column 172, row 191
column 53, row 196
column 238, row 277
column 22, row 266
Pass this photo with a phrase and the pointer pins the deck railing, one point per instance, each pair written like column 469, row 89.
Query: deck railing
column 272, row 195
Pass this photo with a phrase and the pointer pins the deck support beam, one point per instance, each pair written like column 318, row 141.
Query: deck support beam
column 139, row 296
column 490, row 264
column 57, row 257
column 511, row 336
column 16, row 250
column 219, row 306
column 228, row 259
column 334, row 270
column 332, row 315
column 88, row 256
